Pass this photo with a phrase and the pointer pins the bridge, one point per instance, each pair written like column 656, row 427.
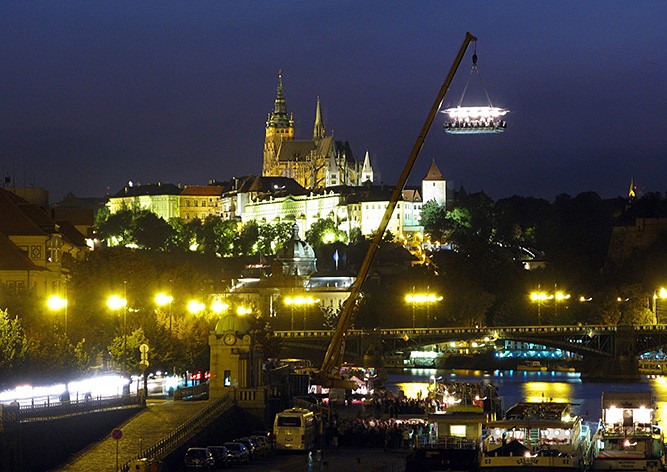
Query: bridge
column 611, row 352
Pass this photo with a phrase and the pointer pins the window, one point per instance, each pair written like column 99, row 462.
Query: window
column 458, row 430
column 228, row 378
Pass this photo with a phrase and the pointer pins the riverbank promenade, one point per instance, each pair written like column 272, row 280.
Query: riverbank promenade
column 159, row 419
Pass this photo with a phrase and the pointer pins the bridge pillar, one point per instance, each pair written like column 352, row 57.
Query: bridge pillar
column 621, row 366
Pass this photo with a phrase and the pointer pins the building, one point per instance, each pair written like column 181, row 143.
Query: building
column 434, row 186
column 200, row 202
column 314, row 163
column 36, row 253
column 160, row 198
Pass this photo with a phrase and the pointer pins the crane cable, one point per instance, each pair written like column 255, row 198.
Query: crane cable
column 479, row 76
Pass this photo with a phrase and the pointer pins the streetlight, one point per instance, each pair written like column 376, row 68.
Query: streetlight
column 559, row 297
column 427, row 299
column 57, row 303
column 116, row 302
column 302, row 302
column 660, row 294
column 195, row 306
column 163, row 299
column 540, row 297
column 218, row 306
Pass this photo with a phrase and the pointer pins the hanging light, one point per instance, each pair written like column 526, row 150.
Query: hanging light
column 475, row 119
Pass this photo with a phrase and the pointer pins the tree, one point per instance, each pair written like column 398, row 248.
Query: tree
column 151, row 232
column 13, row 345
column 324, row 231
column 433, row 220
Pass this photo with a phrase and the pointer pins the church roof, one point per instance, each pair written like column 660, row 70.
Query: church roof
column 434, row 173
column 295, row 150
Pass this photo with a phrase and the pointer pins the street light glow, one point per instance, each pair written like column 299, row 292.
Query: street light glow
column 422, row 298
column 56, row 302
column 300, row 300
column 116, row 303
column 163, row 299
column 195, row 306
column 219, row 306
column 242, row 310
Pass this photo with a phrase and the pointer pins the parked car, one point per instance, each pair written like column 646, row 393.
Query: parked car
column 266, row 434
column 250, row 444
column 239, row 452
column 199, row 458
column 223, row 458
column 262, row 444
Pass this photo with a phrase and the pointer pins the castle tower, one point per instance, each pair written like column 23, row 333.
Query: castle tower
column 367, row 169
column 434, row 186
column 279, row 128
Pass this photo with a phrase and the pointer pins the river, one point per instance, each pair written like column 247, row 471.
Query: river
column 517, row 386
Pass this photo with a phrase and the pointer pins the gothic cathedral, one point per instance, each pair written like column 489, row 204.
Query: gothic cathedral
column 316, row 163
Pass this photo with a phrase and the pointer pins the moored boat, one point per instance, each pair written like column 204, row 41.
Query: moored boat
column 533, row 437
column 531, row 366
column 628, row 436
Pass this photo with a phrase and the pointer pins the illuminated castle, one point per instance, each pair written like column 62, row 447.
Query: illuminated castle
column 314, row 163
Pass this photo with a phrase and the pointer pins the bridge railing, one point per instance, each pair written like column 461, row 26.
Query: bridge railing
column 168, row 444
column 46, row 410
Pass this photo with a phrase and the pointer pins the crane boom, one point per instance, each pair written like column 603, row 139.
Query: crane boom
column 329, row 374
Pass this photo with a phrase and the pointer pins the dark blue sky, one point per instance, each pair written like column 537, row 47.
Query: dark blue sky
column 96, row 93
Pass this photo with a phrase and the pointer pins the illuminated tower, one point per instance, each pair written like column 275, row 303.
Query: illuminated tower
column 434, row 186
column 279, row 128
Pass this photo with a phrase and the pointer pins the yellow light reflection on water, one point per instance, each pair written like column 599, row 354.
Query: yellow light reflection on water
column 659, row 387
column 411, row 389
column 559, row 392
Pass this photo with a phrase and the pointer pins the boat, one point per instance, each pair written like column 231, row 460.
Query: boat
column 453, row 443
column 628, row 436
column 545, row 436
column 531, row 366
column 456, row 421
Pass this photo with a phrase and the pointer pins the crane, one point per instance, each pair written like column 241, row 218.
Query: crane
column 329, row 373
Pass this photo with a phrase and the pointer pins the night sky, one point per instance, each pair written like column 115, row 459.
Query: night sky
column 96, row 93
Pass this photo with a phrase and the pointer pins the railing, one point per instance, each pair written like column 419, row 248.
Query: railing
column 168, row 444
column 450, row 442
column 48, row 410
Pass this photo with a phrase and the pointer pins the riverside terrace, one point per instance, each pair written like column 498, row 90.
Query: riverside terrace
column 597, row 344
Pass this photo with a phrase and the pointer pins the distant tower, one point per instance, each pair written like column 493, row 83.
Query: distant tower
column 434, row 186
column 632, row 193
column 318, row 130
column 367, row 169
column 279, row 128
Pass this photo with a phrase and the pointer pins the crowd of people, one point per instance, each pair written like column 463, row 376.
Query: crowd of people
column 390, row 433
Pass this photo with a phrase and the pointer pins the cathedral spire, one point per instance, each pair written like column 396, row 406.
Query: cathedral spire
column 279, row 118
column 318, row 129
column 367, row 169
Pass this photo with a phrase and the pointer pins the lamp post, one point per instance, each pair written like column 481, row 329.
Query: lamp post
column 116, row 302
column 163, row 299
column 302, row 302
column 559, row 296
column 57, row 303
column 658, row 296
column 426, row 299
column 195, row 306
column 540, row 297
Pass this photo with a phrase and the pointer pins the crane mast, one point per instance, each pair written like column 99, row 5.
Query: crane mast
column 329, row 373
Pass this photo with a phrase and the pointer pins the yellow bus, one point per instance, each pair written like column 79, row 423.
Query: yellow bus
column 294, row 430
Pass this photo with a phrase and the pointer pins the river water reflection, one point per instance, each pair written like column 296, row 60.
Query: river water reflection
column 517, row 386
